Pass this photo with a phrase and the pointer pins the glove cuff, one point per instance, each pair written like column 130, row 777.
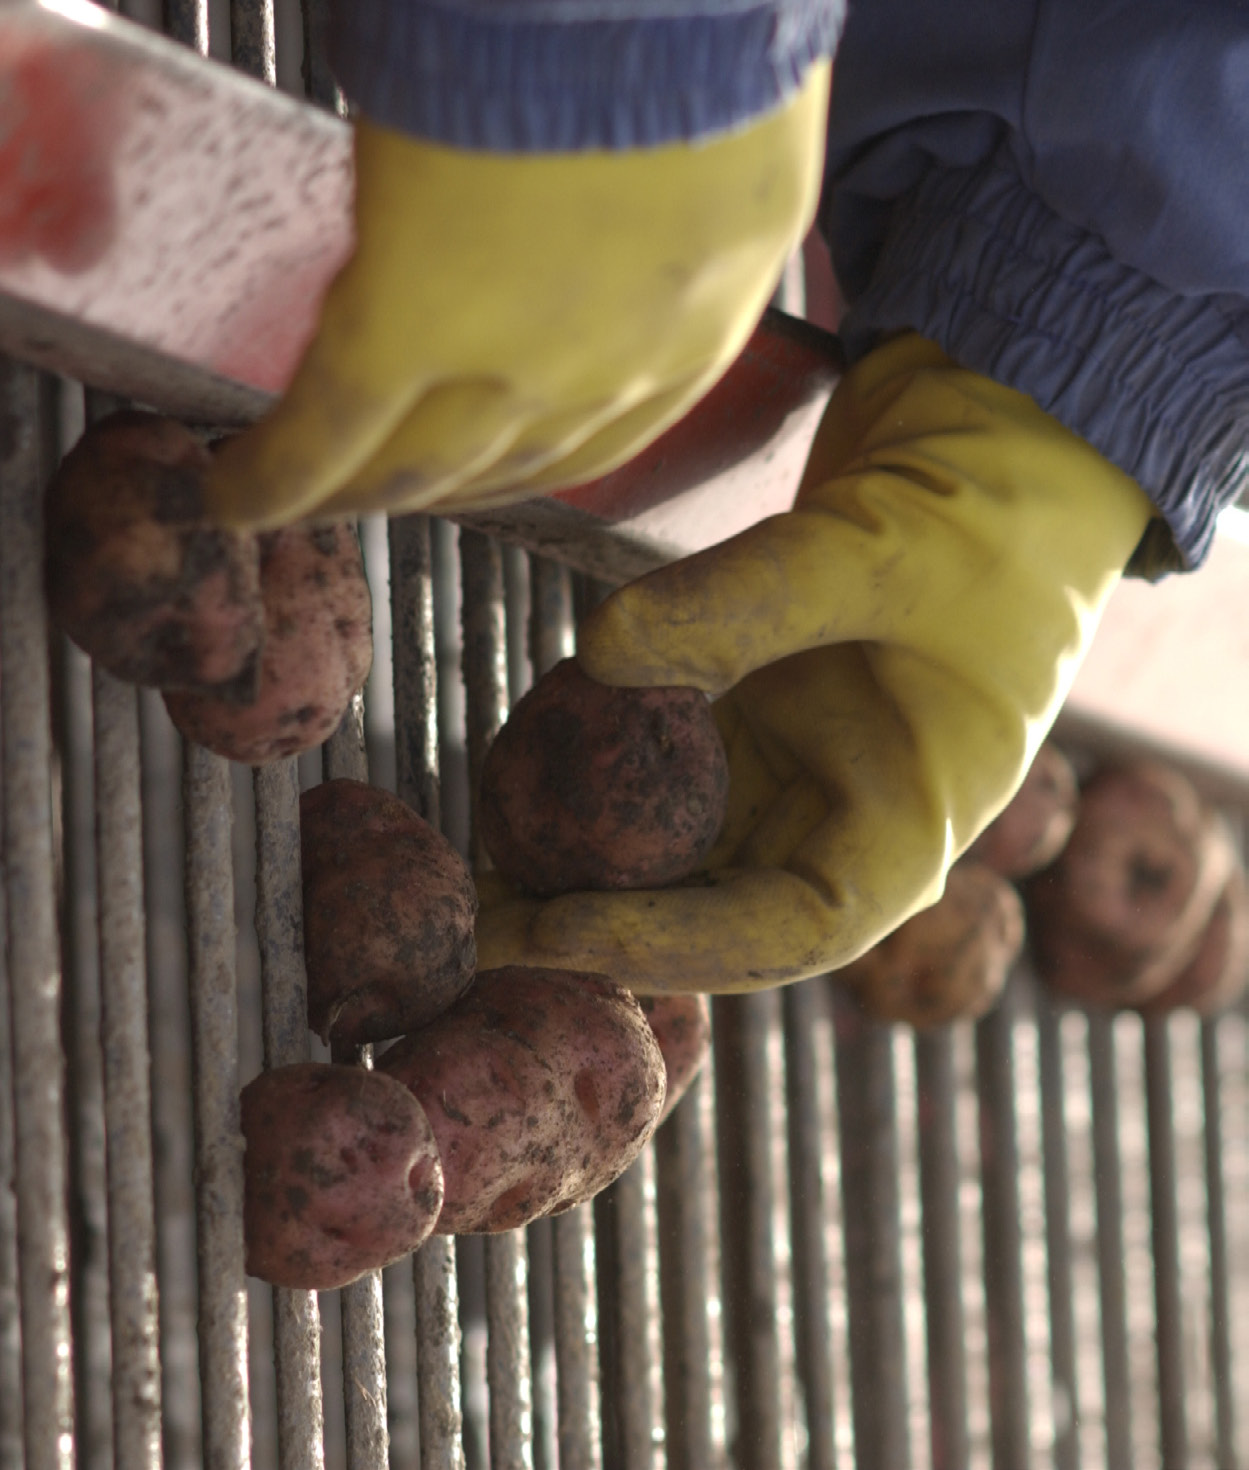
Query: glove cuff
column 1156, row 382
column 569, row 75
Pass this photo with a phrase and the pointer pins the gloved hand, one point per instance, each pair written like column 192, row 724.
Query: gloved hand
column 888, row 656
column 511, row 324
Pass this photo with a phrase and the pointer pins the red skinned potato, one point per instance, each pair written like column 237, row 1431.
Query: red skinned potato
column 541, row 1086
column 341, row 1174
column 682, row 1027
column 136, row 575
column 948, row 962
column 1118, row 915
column 1033, row 829
column 389, row 907
column 591, row 787
column 318, row 649
column 1218, row 971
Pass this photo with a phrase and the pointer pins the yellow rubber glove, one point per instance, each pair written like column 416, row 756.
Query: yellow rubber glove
column 889, row 656
column 511, row 324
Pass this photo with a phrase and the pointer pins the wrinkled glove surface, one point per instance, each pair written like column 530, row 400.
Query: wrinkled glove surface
column 887, row 658
column 512, row 324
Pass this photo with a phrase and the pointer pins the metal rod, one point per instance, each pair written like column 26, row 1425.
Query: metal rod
column 1066, row 1391
column 539, row 1247
column 11, row 1453
column 284, row 1019
column 127, row 1089
column 741, row 1025
column 801, row 1008
column 1220, row 1284
column 869, row 1183
column 1003, row 1271
column 943, row 1263
column 1108, row 1186
column 507, row 1352
column 624, row 1347
column 223, row 1340
column 576, row 1337
column 34, row 970
column 252, row 46
column 682, row 1161
column 438, row 1354
column 1168, row 1305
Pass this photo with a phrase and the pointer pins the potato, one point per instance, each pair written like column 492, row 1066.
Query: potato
column 318, row 649
column 542, row 1086
column 682, row 1027
column 341, row 1174
column 1124, row 906
column 590, row 787
column 948, row 962
column 134, row 573
column 389, row 907
column 1033, row 829
column 1218, row 971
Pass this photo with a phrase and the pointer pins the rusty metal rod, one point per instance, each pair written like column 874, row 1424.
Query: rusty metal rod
column 620, row 1257
column 942, row 1254
column 11, row 1453
column 223, row 1337
column 127, row 1089
column 34, row 970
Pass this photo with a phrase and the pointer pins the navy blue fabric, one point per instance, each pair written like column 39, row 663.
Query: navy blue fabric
column 554, row 75
column 1055, row 191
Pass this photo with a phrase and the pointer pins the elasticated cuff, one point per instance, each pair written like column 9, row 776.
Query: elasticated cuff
column 562, row 75
column 1158, row 383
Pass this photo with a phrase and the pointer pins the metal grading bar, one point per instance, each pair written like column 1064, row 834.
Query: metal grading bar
column 620, row 1257
column 1216, row 1215
column 1172, row 1421
column 127, row 1091
column 34, row 972
column 417, row 767
column 866, row 1109
column 1112, row 1283
column 1003, row 1277
column 223, row 1338
column 1066, row 1448
column 284, row 1003
column 360, row 1304
column 943, row 1266
column 507, row 1308
column 572, row 1242
column 741, row 1026
column 801, row 1008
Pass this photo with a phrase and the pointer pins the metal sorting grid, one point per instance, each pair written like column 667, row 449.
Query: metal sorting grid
column 1020, row 1243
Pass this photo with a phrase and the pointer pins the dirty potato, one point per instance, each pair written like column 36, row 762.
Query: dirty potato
column 318, row 648
column 541, row 1086
column 1218, row 971
column 682, row 1027
column 1033, row 829
column 341, row 1174
column 948, row 962
column 389, row 907
column 591, row 787
column 1122, row 909
column 136, row 575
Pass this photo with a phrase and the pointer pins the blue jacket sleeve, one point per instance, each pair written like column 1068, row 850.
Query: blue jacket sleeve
column 1054, row 191
column 553, row 75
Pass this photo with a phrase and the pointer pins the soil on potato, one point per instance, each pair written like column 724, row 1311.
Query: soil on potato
column 592, row 787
